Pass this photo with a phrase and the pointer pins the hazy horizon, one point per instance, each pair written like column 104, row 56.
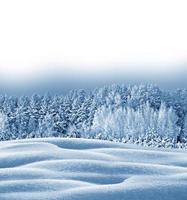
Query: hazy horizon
column 61, row 84
column 62, row 45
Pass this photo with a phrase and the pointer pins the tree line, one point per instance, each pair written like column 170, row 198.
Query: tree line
column 112, row 112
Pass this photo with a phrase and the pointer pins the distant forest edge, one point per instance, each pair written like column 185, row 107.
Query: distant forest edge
column 142, row 114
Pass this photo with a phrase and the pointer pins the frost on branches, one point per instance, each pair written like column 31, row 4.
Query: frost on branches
column 143, row 114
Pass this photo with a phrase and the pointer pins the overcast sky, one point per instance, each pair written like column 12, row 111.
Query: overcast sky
column 100, row 39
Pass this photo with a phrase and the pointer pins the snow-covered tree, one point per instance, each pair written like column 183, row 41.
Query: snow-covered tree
column 114, row 112
column 5, row 133
column 130, row 122
column 185, row 127
column 23, row 116
column 2, row 121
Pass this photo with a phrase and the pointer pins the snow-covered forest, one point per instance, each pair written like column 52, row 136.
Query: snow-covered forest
column 139, row 114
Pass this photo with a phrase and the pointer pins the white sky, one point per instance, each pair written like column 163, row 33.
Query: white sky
column 39, row 36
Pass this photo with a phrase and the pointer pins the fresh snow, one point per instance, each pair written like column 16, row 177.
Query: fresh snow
column 81, row 169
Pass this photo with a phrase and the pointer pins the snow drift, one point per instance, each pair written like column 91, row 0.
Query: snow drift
column 80, row 169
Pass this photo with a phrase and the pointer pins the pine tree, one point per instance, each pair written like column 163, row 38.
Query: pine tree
column 24, row 116
column 35, row 112
column 2, row 126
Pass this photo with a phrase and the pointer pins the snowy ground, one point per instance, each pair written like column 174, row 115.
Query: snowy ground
column 79, row 169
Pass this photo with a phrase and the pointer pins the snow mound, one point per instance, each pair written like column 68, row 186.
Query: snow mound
column 80, row 169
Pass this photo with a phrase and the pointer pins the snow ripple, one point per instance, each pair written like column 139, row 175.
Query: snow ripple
column 80, row 169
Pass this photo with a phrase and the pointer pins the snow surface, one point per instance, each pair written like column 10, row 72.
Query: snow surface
column 80, row 169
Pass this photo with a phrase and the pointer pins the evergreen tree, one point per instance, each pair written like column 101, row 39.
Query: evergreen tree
column 24, row 116
column 112, row 112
